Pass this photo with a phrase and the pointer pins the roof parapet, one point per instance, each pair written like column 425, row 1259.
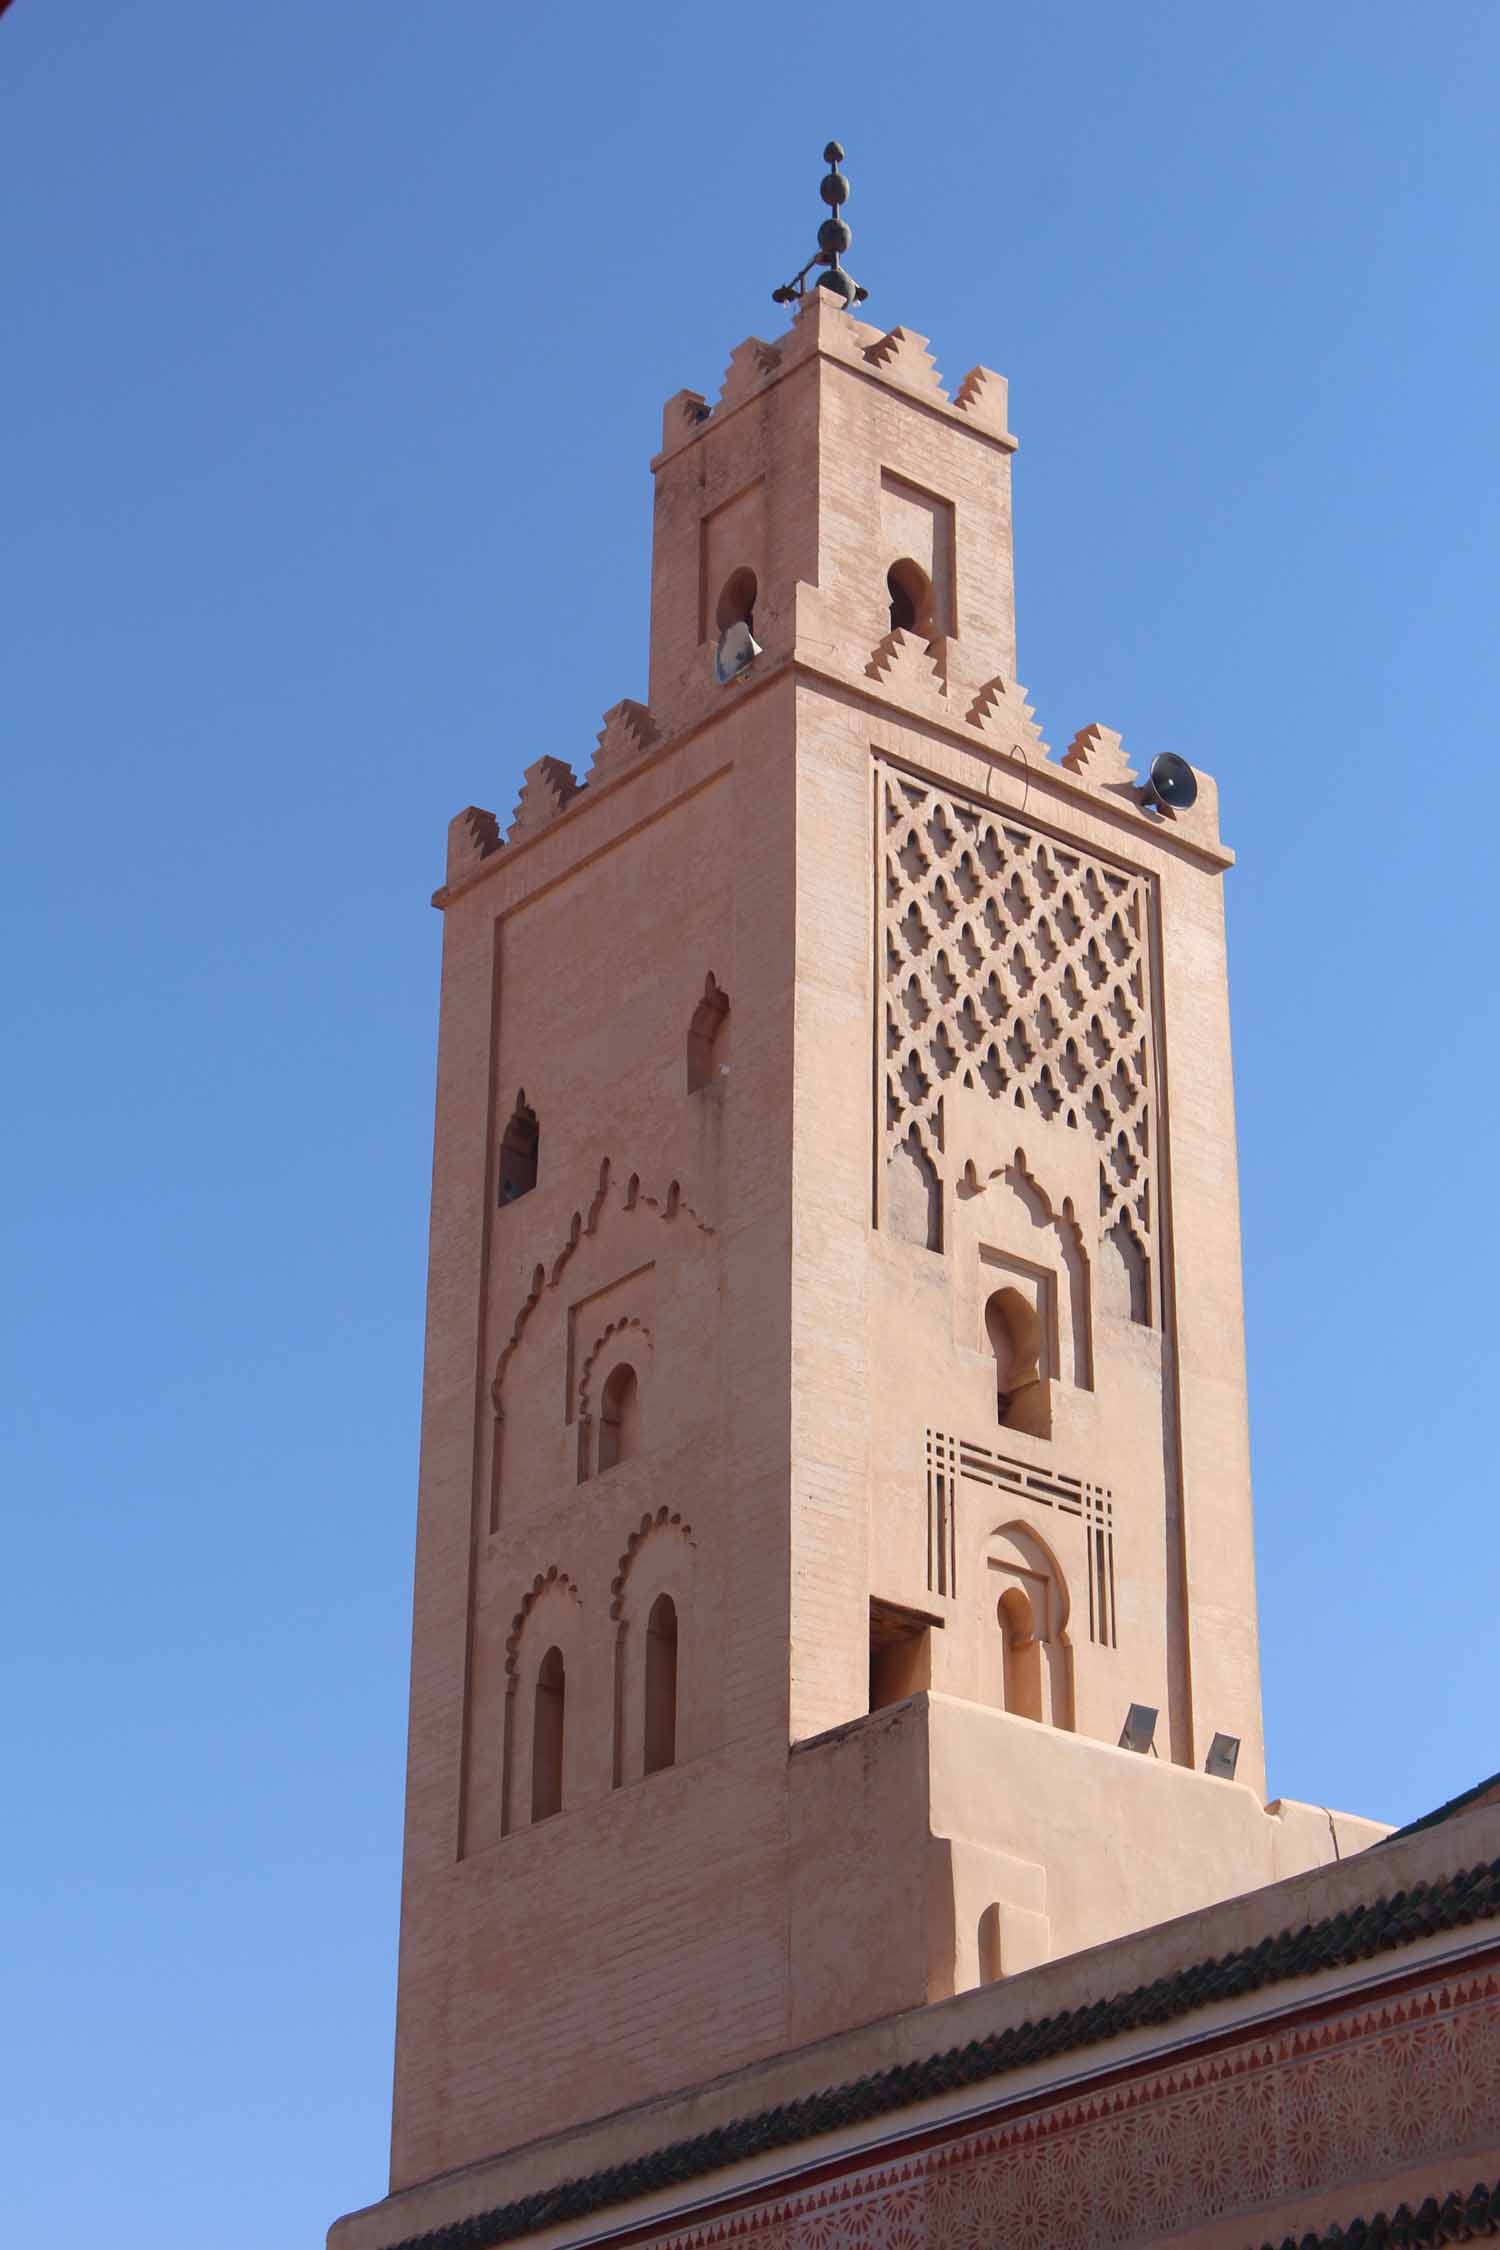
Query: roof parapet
column 547, row 785
column 628, row 732
column 822, row 327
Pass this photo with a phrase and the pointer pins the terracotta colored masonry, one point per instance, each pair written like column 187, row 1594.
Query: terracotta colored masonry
column 876, row 1332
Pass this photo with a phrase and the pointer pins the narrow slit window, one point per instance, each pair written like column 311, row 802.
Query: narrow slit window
column 619, row 1417
column 661, row 1685
column 520, row 1147
column 708, row 1038
column 547, row 1737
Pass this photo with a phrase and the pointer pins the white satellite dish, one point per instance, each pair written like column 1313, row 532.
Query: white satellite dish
column 737, row 650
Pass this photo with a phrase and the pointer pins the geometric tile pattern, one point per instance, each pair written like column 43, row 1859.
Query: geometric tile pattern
column 1013, row 964
column 1283, row 2114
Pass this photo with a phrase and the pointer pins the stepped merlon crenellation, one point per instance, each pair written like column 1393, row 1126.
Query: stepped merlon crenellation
column 898, row 357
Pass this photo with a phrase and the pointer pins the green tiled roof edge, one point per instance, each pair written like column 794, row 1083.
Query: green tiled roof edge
column 1426, row 1910
column 1474, row 2217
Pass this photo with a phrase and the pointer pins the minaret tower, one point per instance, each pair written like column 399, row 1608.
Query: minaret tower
column 834, row 1567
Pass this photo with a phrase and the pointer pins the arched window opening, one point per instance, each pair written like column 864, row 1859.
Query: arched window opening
column 519, row 1147
column 1023, row 1655
column 547, row 1737
column 1032, row 1673
column 661, row 1684
column 737, row 601
column 910, row 590
column 708, row 1038
column 1022, row 1397
column 619, row 1417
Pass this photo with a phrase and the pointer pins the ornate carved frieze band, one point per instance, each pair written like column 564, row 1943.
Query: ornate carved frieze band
column 1266, row 2120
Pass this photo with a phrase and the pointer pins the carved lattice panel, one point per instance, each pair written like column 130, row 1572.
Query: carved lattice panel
column 1018, row 966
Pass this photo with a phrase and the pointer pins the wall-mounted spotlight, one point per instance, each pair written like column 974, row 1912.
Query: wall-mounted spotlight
column 1223, row 1756
column 1139, row 1730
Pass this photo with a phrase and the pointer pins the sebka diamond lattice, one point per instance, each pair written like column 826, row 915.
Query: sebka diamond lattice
column 1015, row 964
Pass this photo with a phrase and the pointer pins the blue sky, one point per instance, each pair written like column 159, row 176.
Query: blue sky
column 338, row 338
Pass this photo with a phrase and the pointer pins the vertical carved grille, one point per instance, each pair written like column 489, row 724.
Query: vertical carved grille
column 942, row 1529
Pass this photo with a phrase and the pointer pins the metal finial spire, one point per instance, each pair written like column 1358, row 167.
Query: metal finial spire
column 834, row 239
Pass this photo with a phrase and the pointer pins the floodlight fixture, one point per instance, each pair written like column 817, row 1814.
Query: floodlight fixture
column 1139, row 1730
column 1223, row 1756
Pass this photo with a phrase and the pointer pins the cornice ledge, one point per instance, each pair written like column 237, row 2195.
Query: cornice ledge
column 1046, row 772
column 594, row 792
